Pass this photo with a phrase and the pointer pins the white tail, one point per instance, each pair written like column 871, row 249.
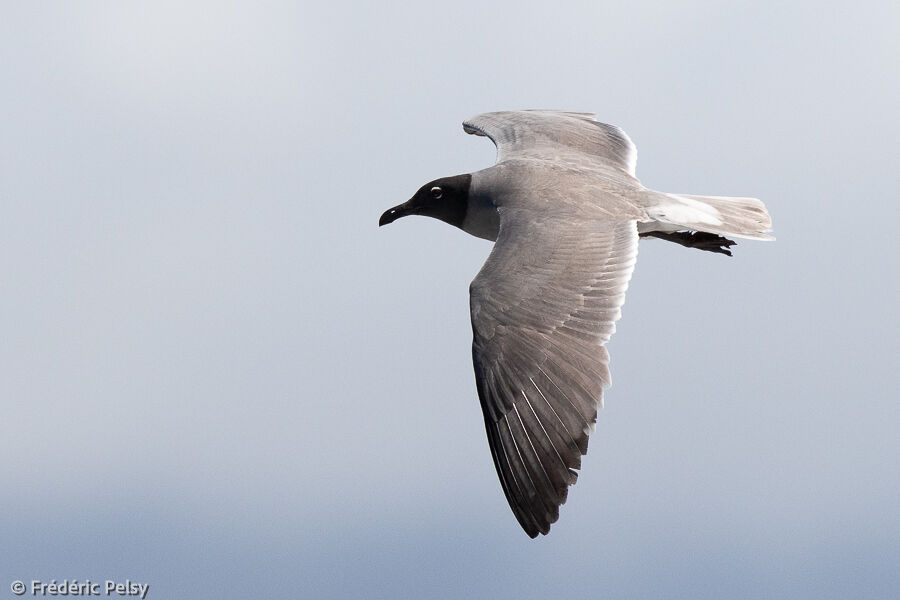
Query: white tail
column 722, row 215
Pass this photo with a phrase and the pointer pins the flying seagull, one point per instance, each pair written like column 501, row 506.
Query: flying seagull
column 566, row 211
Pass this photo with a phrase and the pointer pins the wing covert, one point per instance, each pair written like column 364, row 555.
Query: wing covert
column 546, row 134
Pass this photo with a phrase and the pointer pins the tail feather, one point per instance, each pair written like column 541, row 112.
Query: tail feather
column 722, row 215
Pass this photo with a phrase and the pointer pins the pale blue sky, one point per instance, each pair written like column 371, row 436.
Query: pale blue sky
column 219, row 377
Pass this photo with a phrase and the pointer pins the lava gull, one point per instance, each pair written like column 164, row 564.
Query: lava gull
column 566, row 211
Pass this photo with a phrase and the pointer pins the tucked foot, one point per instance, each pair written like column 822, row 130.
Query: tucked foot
column 695, row 239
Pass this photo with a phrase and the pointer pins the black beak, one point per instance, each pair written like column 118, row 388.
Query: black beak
column 392, row 214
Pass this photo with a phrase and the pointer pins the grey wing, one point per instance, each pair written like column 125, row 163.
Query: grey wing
column 543, row 306
column 544, row 133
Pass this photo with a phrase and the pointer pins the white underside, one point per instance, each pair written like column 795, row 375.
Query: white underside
column 685, row 210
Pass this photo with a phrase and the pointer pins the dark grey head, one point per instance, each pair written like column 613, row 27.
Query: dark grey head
column 446, row 199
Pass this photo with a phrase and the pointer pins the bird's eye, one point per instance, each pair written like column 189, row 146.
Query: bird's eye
column 436, row 192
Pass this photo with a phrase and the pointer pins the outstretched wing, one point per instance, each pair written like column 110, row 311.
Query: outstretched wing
column 546, row 134
column 543, row 306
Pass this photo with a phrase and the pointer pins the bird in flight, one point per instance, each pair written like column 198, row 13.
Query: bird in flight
column 566, row 212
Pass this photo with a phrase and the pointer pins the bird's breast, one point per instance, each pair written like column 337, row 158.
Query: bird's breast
column 482, row 219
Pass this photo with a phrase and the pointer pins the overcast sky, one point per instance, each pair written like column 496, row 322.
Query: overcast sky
column 218, row 376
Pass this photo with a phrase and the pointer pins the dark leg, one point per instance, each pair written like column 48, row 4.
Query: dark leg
column 695, row 239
